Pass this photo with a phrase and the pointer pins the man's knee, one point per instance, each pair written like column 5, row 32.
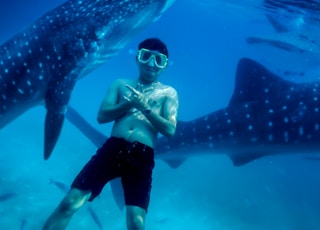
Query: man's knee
column 135, row 217
column 137, row 221
column 74, row 200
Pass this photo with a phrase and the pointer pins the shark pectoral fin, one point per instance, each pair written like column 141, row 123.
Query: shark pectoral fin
column 174, row 163
column 239, row 159
column 53, row 124
column 57, row 98
column 277, row 25
column 117, row 192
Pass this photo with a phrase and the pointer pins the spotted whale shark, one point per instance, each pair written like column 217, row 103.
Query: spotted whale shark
column 41, row 64
column 266, row 116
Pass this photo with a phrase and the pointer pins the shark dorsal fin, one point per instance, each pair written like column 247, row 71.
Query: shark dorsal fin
column 255, row 83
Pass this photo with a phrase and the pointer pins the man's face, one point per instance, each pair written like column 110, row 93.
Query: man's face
column 151, row 63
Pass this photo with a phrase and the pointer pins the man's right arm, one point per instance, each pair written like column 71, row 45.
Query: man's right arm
column 111, row 108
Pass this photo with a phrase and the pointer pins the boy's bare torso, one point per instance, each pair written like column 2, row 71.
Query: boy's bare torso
column 134, row 126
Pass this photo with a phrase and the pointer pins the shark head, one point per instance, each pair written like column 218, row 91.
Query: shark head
column 41, row 64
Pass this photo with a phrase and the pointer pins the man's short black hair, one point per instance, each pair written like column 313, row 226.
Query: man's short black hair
column 154, row 44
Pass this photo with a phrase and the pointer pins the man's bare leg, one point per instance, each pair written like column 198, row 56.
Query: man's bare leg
column 61, row 216
column 135, row 217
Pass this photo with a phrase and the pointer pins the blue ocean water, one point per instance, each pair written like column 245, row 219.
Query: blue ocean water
column 206, row 38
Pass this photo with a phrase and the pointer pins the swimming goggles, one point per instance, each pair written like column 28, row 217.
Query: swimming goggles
column 145, row 55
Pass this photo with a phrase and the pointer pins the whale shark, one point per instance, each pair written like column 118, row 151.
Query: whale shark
column 266, row 116
column 41, row 64
column 301, row 49
column 296, row 38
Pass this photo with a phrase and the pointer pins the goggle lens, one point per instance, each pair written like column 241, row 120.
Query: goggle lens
column 145, row 55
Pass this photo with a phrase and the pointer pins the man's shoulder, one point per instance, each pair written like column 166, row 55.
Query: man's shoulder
column 169, row 89
column 123, row 81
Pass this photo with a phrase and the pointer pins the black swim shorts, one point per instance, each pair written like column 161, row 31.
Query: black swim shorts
column 133, row 162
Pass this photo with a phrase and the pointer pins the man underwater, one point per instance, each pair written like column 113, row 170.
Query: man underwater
column 140, row 109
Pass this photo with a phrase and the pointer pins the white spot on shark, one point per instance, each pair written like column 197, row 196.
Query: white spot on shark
column 286, row 136
column 253, row 139
column 20, row 91
column 301, row 131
